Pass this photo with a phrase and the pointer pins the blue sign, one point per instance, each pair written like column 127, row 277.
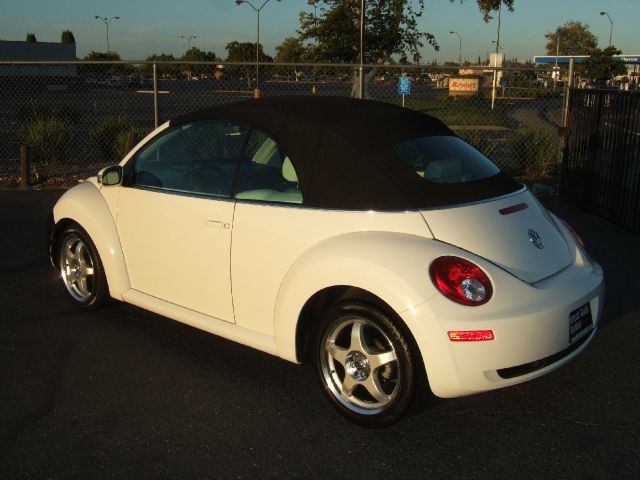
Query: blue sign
column 627, row 59
column 404, row 86
column 559, row 59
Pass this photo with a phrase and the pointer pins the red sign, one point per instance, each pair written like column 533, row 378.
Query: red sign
column 463, row 85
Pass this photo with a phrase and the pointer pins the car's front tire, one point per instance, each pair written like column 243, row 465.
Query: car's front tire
column 80, row 268
column 366, row 364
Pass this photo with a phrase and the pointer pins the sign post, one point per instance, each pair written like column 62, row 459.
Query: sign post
column 404, row 86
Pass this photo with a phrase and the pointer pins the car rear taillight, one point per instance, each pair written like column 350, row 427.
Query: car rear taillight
column 460, row 280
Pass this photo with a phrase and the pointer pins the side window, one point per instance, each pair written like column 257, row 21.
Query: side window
column 266, row 173
column 198, row 157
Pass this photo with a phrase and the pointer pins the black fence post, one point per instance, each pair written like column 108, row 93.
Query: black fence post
column 24, row 167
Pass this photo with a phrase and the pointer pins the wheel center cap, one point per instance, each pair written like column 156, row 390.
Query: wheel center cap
column 357, row 365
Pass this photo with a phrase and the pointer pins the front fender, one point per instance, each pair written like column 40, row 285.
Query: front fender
column 85, row 205
column 392, row 266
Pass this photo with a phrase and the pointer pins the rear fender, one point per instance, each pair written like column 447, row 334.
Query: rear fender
column 85, row 205
column 391, row 266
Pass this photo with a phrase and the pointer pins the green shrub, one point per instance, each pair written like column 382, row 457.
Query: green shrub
column 537, row 151
column 127, row 139
column 480, row 140
column 32, row 110
column 47, row 138
column 111, row 136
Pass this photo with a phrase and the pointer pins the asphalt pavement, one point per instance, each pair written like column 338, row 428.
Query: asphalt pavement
column 123, row 393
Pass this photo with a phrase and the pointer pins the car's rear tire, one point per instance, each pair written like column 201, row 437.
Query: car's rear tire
column 81, row 268
column 365, row 364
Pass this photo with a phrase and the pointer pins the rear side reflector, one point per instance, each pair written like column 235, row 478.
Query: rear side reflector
column 470, row 335
column 513, row 209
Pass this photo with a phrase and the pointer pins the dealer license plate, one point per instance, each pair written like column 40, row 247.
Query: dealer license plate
column 580, row 322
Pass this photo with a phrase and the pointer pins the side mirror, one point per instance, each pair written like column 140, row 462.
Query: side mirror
column 110, row 176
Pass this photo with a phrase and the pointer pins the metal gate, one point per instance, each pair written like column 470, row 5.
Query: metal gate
column 601, row 162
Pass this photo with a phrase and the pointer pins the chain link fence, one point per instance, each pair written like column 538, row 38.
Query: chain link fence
column 74, row 118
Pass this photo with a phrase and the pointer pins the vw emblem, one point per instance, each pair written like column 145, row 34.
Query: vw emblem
column 535, row 238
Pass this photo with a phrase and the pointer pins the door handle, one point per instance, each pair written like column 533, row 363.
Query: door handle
column 217, row 224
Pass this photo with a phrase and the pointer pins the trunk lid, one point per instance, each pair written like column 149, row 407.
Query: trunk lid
column 522, row 240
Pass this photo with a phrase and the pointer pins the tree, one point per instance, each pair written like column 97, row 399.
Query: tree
column 291, row 50
column 31, row 38
column 162, row 57
column 194, row 54
column 601, row 68
column 575, row 39
column 101, row 57
column 488, row 6
column 67, row 37
column 390, row 29
column 170, row 70
column 245, row 52
column 103, row 70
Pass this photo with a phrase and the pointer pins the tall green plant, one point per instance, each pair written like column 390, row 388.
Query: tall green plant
column 47, row 138
column 31, row 110
column 538, row 151
column 480, row 140
column 127, row 139
column 114, row 135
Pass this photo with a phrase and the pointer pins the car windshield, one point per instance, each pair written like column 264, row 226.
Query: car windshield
column 445, row 159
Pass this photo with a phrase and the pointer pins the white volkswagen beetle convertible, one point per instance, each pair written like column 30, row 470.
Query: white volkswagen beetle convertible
column 363, row 238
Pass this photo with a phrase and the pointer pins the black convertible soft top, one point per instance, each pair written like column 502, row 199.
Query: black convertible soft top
column 342, row 151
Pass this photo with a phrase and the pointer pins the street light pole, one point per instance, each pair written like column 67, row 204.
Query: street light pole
column 611, row 27
column 314, row 4
column 107, row 21
column 556, row 71
column 460, row 47
column 495, row 66
column 256, row 92
column 188, row 38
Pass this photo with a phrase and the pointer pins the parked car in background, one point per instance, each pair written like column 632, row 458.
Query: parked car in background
column 364, row 239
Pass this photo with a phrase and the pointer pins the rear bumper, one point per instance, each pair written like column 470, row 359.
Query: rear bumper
column 530, row 326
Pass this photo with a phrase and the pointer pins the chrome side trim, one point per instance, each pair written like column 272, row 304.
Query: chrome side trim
column 298, row 205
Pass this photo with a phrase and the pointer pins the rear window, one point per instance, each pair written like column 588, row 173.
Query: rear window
column 445, row 159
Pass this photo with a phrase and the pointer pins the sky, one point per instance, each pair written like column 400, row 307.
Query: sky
column 155, row 26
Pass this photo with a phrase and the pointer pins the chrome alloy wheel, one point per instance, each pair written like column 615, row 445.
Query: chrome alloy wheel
column 360, row 365
column 77, row 268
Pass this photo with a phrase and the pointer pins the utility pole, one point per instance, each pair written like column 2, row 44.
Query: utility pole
column 610, row 28
column 460, row 47
column 188, row 38
column 495, row 66
column 256, row 92
column 107, row 21
column 361, row 69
